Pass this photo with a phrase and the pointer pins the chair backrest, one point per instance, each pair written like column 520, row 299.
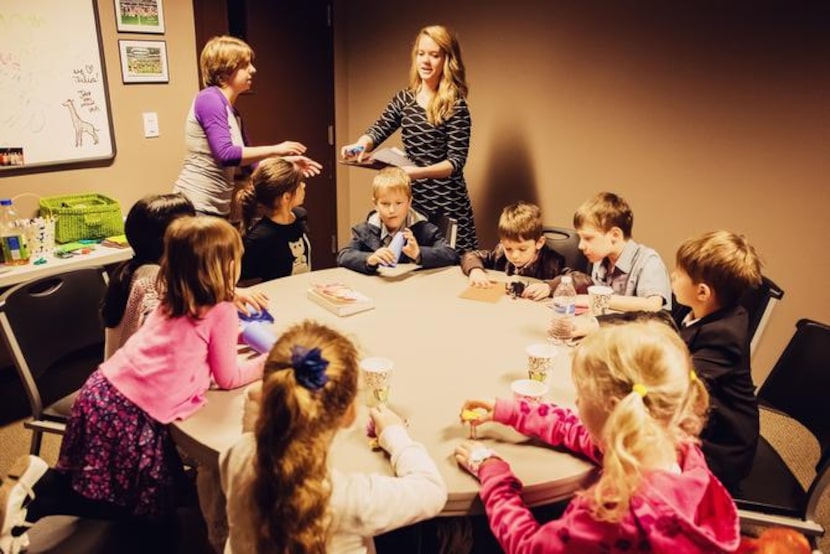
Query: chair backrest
column 55, row 322
column 798, row 385
column 566, row 242
column 448, row 227
column 759, row 303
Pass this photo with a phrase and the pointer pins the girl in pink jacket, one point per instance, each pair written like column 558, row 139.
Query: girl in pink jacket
column 640, row 409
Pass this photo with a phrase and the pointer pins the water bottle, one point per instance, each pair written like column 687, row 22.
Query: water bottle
column 563, row 308
column 12, row 238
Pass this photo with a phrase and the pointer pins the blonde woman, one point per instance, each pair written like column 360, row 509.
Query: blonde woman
column 434, row 120
column 218, row 151
column 640, row 409
column 283, row 496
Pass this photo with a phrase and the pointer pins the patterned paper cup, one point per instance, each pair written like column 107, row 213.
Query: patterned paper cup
column 540, row 358
column 376, row 373
column 599, row 298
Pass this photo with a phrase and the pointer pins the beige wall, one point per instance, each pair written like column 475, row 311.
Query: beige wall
column 141, row 166
column 701, row 118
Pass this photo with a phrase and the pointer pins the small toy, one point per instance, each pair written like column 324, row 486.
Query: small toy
column 39, row 261
column 472, row 416
column 396, row 246
column 354, row 150
column 263, row 316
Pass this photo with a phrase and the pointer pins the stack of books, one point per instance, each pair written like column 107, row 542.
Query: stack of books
column 339, row 299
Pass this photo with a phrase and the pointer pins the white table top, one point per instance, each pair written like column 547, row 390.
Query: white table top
column 101, row 255
column 446, row 349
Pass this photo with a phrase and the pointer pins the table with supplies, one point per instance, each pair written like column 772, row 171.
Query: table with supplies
column 445, row 349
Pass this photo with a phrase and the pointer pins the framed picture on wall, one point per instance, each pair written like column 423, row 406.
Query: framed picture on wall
column 143, row 61
column 139, row 16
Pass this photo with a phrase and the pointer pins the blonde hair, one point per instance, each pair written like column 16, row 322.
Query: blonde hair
column 199, row 267
column 724, row 261
column 605, row 211
column 453, row 85
column 272, row 178
column 221, row 56
column 521, row 221
column 290, row 491
column 391, row 179
column 606, row 368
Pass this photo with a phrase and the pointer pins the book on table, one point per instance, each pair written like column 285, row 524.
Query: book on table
column 339, row 299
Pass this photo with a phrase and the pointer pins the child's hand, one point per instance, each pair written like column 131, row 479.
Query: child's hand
column 251, row 408
column 242, row 298
column 307, row 166
column 476, row 412
column 411, row 247
column 382, row 417
column 536, row 291
column 478, row 278
column 382, row 255
column 471, row 455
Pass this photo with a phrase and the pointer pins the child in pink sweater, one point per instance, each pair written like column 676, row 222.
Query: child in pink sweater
column 640, row 409
column 117, row 458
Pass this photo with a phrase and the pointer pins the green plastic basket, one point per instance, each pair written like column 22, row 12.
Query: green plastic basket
column 83, row 216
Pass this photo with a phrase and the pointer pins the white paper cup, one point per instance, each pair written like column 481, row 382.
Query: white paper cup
column 376, row 373
column 528, row 390
column 540, row 358
column 599, row 297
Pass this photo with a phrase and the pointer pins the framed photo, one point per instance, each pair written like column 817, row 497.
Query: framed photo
column 143, row 61
column 139, row 16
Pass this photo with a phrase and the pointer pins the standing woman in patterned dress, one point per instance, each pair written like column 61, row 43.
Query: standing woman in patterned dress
column 434, row 120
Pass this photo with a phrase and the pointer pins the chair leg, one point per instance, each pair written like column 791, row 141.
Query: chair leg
column 37, row 439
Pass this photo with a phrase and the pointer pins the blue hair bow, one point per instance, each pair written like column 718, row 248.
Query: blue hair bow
column 309, row 367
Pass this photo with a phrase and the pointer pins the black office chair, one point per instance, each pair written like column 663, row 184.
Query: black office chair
column 54, row 332
column 566, row 242
column 797, row 388
column 448, row 227
column 759, row 303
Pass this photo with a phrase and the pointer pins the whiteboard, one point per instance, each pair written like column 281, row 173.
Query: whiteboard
column 54, row 102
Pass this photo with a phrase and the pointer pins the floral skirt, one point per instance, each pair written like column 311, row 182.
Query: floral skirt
column 115, row 452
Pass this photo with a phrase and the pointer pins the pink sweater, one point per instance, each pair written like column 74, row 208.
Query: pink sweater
column 166, row 367
column 689, row 512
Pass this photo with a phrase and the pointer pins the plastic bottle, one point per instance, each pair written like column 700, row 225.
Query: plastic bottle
column 13, row 240
column 258, row 336
column 563, row 308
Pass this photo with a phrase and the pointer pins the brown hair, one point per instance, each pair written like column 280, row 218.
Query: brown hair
column 391, row 179
column 453, row 85
column 290, row 491
column 202, row 255
column 605, row 211
column 724, row 261
column 521, row 221
column 272, row 178
column 670, row 412
column 221, row 56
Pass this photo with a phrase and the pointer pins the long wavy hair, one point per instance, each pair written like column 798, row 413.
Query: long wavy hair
column 453, row 85
column 290, row 491
column 200, row 266
column 272, row 178
column 144, row 227
column 606, row 367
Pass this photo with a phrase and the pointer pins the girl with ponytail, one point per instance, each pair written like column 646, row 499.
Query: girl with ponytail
column 640, row 408
column 283, row 496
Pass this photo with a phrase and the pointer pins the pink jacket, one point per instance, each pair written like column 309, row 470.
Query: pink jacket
column 689, row 512
column 166, row 367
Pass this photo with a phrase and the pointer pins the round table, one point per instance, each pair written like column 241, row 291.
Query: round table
column 446, row 349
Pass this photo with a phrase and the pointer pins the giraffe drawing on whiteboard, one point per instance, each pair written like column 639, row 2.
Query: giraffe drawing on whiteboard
column 81, row 126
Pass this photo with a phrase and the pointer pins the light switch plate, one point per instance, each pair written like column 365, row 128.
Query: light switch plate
column 151, row 124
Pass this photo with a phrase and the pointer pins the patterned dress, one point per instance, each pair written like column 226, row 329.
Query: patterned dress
column 426, row 144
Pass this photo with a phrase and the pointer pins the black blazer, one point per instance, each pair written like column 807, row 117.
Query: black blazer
column 719, row 344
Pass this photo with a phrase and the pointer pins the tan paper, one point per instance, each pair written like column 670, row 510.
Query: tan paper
column 491, row 295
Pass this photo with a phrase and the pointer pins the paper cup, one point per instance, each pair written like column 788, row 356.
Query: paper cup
column 599, row 297
column 540, row 358
column 528, row 390
column 376, row 373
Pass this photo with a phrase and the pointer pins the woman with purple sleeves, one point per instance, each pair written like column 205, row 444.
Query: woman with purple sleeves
column 218, row 151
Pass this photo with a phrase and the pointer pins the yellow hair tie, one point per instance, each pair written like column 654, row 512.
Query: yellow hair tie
column 640, row 389
column 692, row 376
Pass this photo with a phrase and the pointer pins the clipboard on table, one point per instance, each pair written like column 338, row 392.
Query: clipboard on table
column 382, row 158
